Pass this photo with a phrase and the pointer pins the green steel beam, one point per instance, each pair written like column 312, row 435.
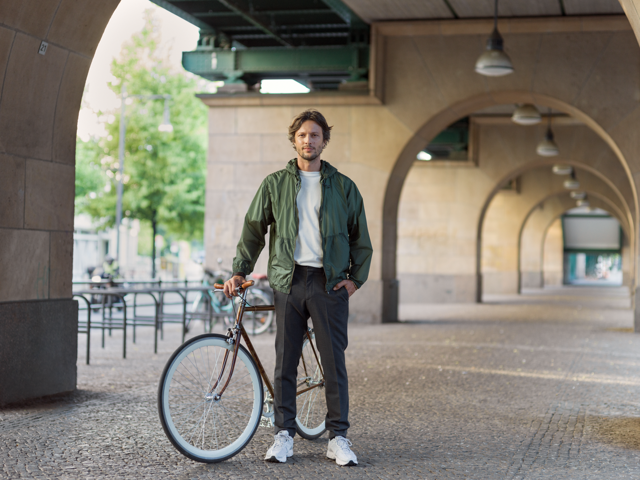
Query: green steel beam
column 266, row 12
column 231, row 65
column 343, row 11
column 254, row 21
column 184, row 15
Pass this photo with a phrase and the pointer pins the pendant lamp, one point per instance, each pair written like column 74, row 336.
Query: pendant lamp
column 578, row 195
column 526, row 114
column 583, row 203
column 572, row 183
column 494, row 62
column 562, row 169
column 547, row 147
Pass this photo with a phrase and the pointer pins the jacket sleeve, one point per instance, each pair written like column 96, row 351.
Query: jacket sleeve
column 360, row 249
column 256, row 222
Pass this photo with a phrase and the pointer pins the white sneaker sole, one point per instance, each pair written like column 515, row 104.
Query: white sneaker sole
column 342, row 463
column 274, row 459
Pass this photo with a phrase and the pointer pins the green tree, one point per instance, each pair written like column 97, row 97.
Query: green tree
column 164, row 172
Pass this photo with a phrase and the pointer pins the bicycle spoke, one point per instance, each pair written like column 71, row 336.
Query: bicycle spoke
column 185, row 387
column 204, row 424
column 196, row 367
column 195, row 426
column 310, row 407
column 199, row 425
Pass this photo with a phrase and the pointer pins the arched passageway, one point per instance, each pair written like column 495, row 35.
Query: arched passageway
column 443, row 205
column 500, row 228
column 421, row 81
column 535, row 238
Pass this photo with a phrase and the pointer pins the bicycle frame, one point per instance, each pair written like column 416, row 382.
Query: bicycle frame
column 234, row 336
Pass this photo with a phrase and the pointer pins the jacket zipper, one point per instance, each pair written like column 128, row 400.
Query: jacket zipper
column 295, row 202
column 324, row 255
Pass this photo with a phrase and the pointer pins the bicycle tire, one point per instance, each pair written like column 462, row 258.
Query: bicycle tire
column 256, row 323
column 311, row 406
column 223, row 427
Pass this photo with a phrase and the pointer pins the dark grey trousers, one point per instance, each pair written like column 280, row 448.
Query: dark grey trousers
column 329, row 313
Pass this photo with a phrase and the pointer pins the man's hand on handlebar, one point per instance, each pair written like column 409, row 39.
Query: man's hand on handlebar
column 231, row 285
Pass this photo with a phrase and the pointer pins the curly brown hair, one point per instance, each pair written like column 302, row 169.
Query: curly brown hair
column 314, row 116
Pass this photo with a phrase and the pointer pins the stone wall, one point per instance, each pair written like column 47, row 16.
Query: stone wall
column 40, row 97
column 439, row 211
column 38, row 348
column 428, row 223
column 553, row 255
column 246, row 143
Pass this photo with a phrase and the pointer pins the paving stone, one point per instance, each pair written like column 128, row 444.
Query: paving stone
column 532, row 387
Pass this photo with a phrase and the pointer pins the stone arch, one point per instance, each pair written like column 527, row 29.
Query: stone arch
column 40, row 97
column 622, row 210
column 428, row 131
column 565, row 203
column 627, row 261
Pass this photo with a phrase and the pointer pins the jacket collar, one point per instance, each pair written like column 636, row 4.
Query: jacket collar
column 326, row 169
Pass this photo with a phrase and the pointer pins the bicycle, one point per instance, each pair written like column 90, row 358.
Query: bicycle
column 211, row 396
column 257, row 322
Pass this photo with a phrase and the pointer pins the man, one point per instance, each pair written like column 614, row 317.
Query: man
column 319, row 255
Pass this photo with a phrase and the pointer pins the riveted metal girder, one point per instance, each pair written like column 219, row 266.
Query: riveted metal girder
column 314, row 64
column 273, row 23
column 318, row 42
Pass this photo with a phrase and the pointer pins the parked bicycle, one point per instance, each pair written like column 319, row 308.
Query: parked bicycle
column 211, row 396
column 256, row 322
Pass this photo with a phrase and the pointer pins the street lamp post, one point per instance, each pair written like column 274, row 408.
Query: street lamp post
column 119, row 186
column 165, row 126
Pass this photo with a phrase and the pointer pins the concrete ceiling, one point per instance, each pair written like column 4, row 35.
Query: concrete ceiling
column 381, row 10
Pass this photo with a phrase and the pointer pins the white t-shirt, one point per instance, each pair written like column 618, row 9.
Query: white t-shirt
column 309, row 244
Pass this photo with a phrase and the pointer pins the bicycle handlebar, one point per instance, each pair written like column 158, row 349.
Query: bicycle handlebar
column 219, row 286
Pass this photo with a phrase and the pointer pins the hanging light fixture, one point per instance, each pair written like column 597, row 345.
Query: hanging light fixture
column 494, row 62
column 578, row 195
column 583, row 203
column 562, row 169
column 572, row 183
column 547, row 147
column 424, row 156
column 526, row 114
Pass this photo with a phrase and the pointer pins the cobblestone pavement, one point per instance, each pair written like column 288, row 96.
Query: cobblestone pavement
column 545, row 385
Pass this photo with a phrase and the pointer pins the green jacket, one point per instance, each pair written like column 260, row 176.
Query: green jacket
column 346, row 246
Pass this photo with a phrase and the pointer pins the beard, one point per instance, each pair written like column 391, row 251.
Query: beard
column 310, row 156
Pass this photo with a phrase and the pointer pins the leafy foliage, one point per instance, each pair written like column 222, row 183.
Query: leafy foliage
column 164, row 172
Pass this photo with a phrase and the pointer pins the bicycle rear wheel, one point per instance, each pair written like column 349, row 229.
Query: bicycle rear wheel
column 199, row 309
column 256, row 323
column 198, row 426
column 311, row 404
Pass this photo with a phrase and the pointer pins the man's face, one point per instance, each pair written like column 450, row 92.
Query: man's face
column 309, row 141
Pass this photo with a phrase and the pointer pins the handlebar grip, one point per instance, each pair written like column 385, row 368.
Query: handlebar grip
column 219, row 286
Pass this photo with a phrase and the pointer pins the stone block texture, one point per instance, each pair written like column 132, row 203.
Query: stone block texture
column 38, row 349
column 442, row 225
column 40, row 98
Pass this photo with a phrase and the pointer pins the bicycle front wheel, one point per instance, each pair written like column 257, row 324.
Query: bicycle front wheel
column 198, row 426
column 311, row 402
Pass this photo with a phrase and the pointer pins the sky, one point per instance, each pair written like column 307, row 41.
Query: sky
column 177, row 35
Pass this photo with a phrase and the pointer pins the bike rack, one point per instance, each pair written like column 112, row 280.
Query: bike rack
column 157, row 293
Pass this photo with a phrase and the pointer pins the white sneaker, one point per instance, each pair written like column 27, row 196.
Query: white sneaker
column 281, row 449
column 339, row 451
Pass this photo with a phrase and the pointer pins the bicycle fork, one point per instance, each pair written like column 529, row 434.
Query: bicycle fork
column 233, row 339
